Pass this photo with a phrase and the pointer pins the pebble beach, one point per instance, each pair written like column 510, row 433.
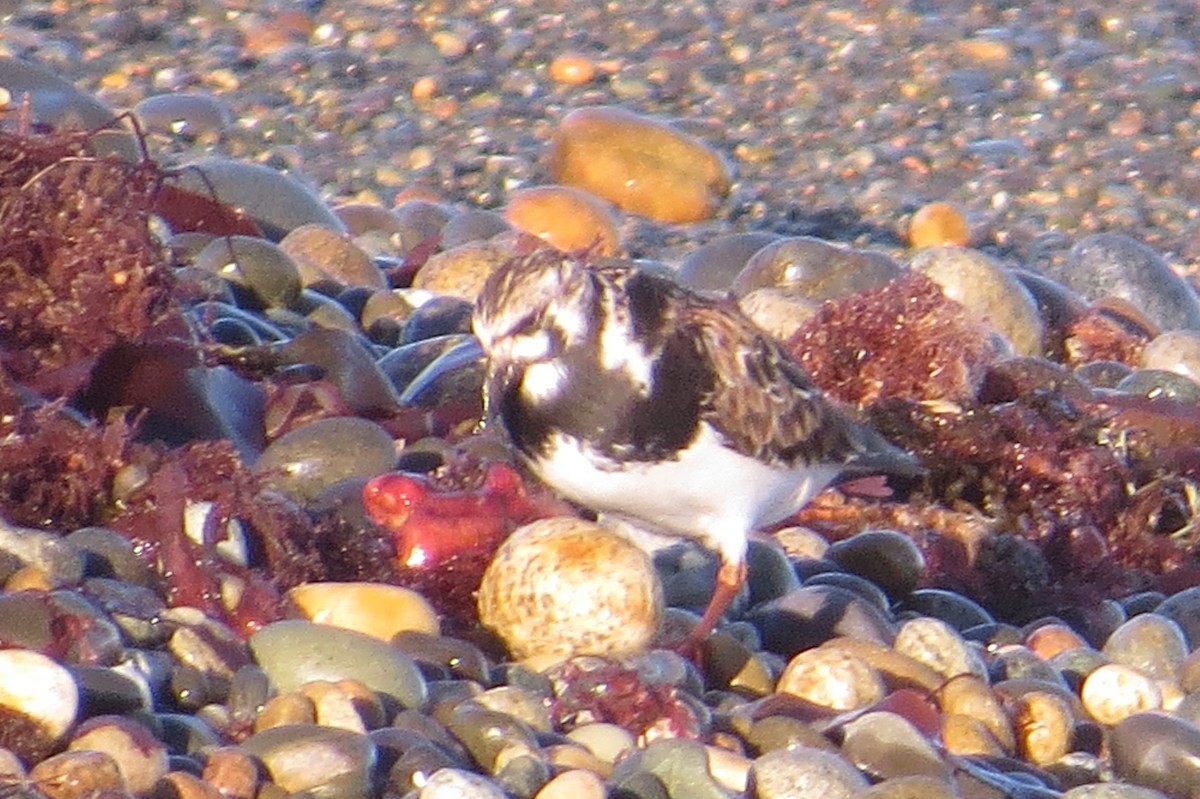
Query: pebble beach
column 252, row 544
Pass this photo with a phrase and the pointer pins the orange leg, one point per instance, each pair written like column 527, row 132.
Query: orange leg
column 730, row 578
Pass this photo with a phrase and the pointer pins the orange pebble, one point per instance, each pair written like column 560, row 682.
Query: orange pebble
column 28, row 578
column 938, row 224
column 566, row 218
column 572, row 69
column 1052, row 639
column 639, row 164
column 424, row 87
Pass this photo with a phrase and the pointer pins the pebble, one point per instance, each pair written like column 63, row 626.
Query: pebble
column 462, row 270
column 41, row 691
column 883, row 745
column 639, row 164
column 375, row 609
column 1114, row 692
column 802, row 772
column 258, row 267
column 1175, row 351
column 1157, row 750
column 811, row 615
column 277, row 202
column 545, row 596
column 294, row 652
column 324, row 252
column 74, row 775
column 473, row 224
column 453, row 783
column 1116, row 265
column 573, row 784
column 1150, row 643
column 192, row 115
column 139, row 756
column 831, row 678
column 309, row 459
column 325, row 761
column 938, row 224
column 572, row 69
column 713, row 266
column 889, row 559
column 564, row 217
column 989, row 291
column 814, row 269
column 939, row 646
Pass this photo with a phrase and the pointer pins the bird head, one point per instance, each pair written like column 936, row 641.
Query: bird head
column 533, row 308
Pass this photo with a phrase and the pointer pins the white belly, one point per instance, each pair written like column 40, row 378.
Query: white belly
column 709, row 493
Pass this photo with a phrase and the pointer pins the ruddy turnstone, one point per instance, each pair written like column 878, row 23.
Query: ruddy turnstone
column 639, row 399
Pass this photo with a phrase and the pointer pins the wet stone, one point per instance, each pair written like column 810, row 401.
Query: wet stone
column 988, row 290
column 461, row 271
column 606, row 741
column 473, row 224
column 564, row 217
column 936, row 644
column 440, row 316
column 107, row 553
column 815, row 269
column 889, row 559
column 638, row 163
column 102, row 691
column 884, row 745
column 959, row 611
column 278, row 202
column 713, row 266
column 323, row 761
column 545, row 597
column 141, row 758
column 1154, row 383
column 803, row 772
column 295, row 652
column 376, row 609
column 809, row 616
column 1176, row 351
column 1151, row 643
column 452, row 783
column 680, row 765
column 419, row 221
column 1183, row 608
column 1157, row 750
column 487, row 733
column 323, row 252
column 43, row 694
column 311, row 458
column 41, row 549
column 831, row 678
column 76, row 775
column 1113, row 264
column 190, row 115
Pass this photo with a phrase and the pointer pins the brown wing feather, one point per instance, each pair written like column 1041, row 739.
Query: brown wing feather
column 766, row 405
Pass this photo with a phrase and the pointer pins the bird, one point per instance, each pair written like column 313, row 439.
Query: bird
column 661, row 408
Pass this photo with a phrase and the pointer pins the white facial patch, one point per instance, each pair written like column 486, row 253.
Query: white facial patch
column 525, row 348
column 621, row 352
column 543, row 380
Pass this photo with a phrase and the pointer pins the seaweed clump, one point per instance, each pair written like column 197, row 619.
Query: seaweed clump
column 1041, row 495
column 903, row 340
column 82, row 278
column 79, row 267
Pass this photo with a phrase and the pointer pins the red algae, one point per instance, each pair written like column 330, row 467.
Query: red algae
column 79, row 268
column 904, row 340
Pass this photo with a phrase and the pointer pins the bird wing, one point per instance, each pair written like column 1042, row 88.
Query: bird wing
column 764, row 404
